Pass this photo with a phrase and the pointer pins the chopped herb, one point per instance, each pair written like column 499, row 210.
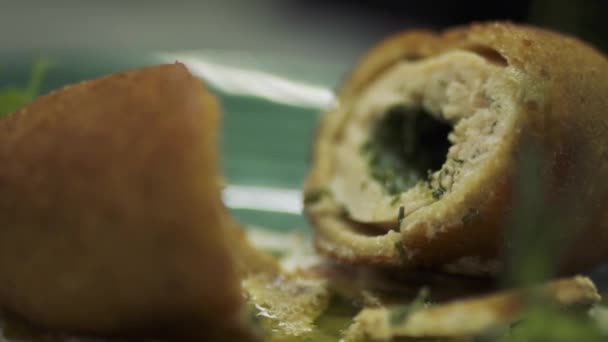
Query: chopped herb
column 344, row 212
column 277, row 254
column 399, row 314
column 401, row 250
column 363, row 185
column 438, row 193
column 401, row 215
column 493, row 127
column 13, row 98
column 565, row 326
column 459, row 161
column 471, row 214
column 367, row 147
column 404, row 144
column 395, row 200
column 315, row 196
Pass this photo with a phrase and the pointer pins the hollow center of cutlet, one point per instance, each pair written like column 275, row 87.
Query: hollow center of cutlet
column 404, row 147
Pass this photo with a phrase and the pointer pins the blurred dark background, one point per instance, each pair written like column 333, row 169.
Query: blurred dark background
column 332, row 30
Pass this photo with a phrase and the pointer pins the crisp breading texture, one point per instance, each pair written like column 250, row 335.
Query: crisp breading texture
column 111, row 216
column 472, row 316
column 558, row 86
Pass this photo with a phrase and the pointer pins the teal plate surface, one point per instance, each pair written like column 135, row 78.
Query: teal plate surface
column 265, row 139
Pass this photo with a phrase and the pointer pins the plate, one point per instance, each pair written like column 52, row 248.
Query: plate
column 270, row 108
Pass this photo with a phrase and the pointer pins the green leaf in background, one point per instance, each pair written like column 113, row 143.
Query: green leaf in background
column 546, row 219
column 530, row 248
column 547, row 323
column 535, row 241
column 13, row 98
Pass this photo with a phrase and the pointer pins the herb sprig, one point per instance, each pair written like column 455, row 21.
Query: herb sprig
column 399, row 314
column 13, row 98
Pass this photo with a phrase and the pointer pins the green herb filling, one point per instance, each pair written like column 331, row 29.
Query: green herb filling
column 404, row 146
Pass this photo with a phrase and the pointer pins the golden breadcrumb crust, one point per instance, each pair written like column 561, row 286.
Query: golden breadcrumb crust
column 112, row 221
column 561, row 108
